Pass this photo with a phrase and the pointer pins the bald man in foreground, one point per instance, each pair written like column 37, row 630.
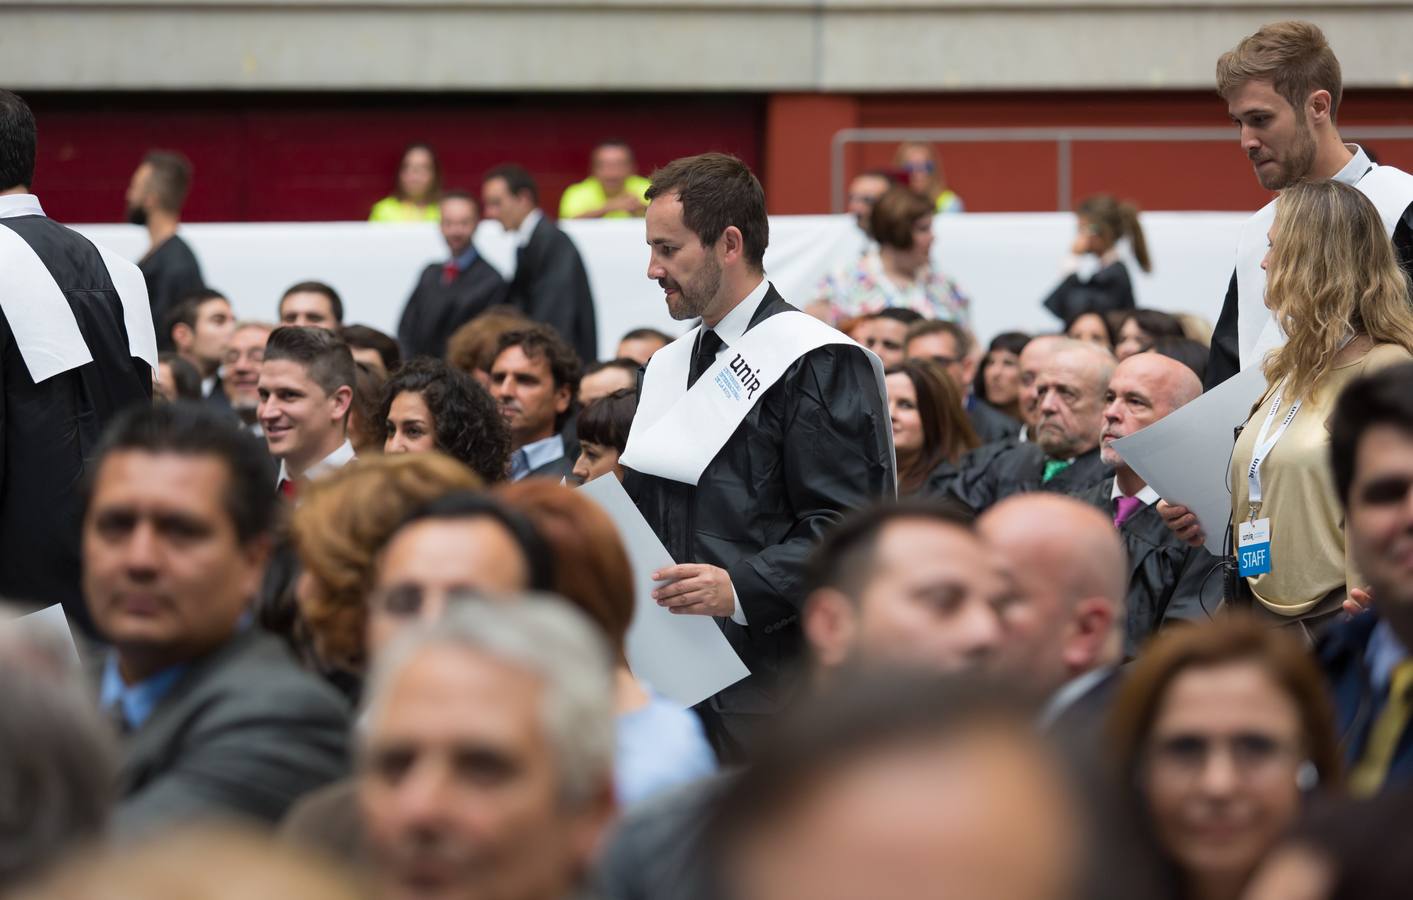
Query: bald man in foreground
column 1168, row 581
column 1063, row 629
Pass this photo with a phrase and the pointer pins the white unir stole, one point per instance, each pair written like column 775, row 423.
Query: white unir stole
column 677, row 432
column 1257, row 331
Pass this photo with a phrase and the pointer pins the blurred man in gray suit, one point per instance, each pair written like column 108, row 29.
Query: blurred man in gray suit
column 216, row 718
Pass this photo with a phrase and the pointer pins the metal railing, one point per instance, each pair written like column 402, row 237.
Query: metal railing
column 1063, row 137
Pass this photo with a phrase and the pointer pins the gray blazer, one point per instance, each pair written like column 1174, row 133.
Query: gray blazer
column 245, row 733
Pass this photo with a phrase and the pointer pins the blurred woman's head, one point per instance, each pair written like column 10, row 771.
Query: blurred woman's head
column 922, row 168
column 1140, row 329
column 339, row 527
column 603, row 428
column 1104, row 220
column 901, row 222
column 472, row 347
column 1091, row 327
column 930, row 425
column 998, row 378
column 419, row 175
column 1221, row 728
column 427, row 405
column 591, row 567
column 365, row 421
column 1331, row 274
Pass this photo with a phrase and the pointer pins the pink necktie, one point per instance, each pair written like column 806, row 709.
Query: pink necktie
column 1125, row 507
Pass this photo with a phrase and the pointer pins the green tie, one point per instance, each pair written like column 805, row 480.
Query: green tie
column 1054, row 467
column 1369, row 774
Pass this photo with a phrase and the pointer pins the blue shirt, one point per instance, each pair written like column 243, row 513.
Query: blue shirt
column 1384, row 653
column 138, row 700
column 464, row 261
column 659, row 746
column 531, row 456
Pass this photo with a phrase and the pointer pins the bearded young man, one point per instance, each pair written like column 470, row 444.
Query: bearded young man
column 1283, row 86
column 755, row 432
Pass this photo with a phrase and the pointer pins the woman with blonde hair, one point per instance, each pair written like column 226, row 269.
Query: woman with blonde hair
column 1336, row 290
column 1104, row 221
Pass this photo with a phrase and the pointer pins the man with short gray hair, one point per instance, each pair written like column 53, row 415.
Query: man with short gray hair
column 1061, row 452
column 487, row 758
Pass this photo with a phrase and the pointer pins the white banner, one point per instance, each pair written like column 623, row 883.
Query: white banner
column 1006, row 263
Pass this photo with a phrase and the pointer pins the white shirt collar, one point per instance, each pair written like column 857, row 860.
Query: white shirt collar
column 1147, row 495
column 527, row 227
column 19, row 205
column 735, row 323
column 338, row 459
column 1357, row 167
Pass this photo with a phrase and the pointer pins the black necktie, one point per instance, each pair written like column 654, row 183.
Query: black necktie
column 708, row 345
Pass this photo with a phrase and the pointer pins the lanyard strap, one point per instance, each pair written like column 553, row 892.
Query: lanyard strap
column 1265, row 441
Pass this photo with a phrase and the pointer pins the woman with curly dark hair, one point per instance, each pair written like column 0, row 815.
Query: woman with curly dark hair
column 428, row 405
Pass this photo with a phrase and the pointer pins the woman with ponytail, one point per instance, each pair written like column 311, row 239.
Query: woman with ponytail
column 1103, row 222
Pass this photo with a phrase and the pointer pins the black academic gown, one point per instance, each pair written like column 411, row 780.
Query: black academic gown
column 989, row 423
column 992, row 473
column 51, row 429
column 172, row 275
column 1224, row 360
column 552, row 287
column 1168, row 581
column 815, row 446
column 1109, row 290
column 435, row 310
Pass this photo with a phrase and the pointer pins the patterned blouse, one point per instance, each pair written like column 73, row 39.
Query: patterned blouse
column 862, row 288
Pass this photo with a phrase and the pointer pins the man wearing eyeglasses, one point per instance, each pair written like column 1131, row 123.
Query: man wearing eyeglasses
column 240, row 372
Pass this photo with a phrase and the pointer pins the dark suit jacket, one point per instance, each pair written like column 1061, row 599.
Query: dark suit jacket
column 990, row 474
column 554, row 469
column 1109, row 290
column 1168, row 581
column 990, row 424
column 814, row 446
column 552, row 287
column 50, row 430
column 1343, row 656
column 172, row 274
column 435, row 310
column 244, row 733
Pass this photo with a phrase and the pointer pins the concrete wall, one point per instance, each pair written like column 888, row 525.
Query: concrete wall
column 631, row 45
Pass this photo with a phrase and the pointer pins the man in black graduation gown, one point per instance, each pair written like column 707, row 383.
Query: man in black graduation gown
column 1290, row 136
column 450, row 294
column 73, row 319
column 1062, row 450
column 155, row 196
column 550, row 282
column 1168, row 581
column 814, row 445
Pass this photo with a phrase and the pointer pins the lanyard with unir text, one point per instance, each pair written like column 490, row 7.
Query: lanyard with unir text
column 1254, row 535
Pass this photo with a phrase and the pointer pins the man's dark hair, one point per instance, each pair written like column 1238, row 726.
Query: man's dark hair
column 1383, row 398
column 517, row 180
column 170, row 178
column 898, row 314
column 628, row 365
column 717, row 190
column 462, row 505
column 316, row 287
column 19, row 139
column 189, row 308
column 843, row 560
column 466, row 422
column 361, row 337
column 607, row 420
column 193, row 429
column 461, row 194
column 638, row 334
column 323, row 354
column 185, row 378
column 539, row 341
column 606, row 143
column 961, row 338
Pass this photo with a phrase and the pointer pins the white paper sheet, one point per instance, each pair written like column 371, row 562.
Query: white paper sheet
column 1186, row 455
column 52, row 622
column 684, row 658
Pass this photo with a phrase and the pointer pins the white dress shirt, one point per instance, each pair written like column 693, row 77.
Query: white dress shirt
column 338, row 459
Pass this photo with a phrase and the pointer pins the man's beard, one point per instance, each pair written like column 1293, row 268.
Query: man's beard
column 137, row 215
column 1297, row 164
column 696, row 295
